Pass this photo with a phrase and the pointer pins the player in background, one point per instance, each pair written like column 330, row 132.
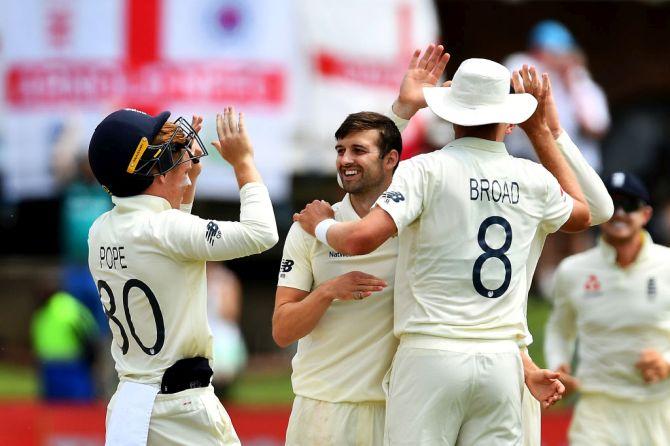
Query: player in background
column 458, row 319
column 147, row 256
column 615, row 298
column 601, row 209
column 341, row 316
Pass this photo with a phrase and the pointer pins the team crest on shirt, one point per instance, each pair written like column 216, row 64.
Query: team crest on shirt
column 392, row 195
column 212, row 232
column 592, row 286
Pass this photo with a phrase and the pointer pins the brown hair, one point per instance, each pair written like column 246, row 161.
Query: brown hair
column 389, row 135
column 166, row 132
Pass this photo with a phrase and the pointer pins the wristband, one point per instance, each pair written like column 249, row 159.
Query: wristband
column 321, row 230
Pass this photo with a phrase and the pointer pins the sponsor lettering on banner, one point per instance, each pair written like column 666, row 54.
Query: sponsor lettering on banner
column 66, row 83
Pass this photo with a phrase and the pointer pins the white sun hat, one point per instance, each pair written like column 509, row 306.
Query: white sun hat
column 479, row 94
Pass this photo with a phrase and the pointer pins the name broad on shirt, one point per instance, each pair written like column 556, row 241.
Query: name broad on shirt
column 498, row 191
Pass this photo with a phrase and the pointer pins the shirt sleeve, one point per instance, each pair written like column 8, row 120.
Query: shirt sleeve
column 595, row 192
column 405, row 196
column 557, row 207
column 189, row 237
column 401, row 123
column 560, row 334
column 295, row 270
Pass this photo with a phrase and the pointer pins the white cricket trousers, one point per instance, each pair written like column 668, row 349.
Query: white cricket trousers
column 189, row 417
column 315, row 422
column 454, row 392
column 531, row 419
column 603, row 420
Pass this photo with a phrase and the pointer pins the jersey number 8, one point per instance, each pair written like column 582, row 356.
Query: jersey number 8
column 155, row 309
column 492, row 253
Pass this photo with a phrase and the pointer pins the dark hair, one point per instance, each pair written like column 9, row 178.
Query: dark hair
column 389, row 135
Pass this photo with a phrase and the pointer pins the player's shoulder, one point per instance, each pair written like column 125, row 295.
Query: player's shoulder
column 538, row 169
column 419, row 164
column 337, row 207
column 98, row 224
column 298, row 235
column 533, row 173
column 660, row 252
column 422, row 159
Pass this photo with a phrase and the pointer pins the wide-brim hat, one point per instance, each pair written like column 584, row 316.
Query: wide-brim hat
column 479, row 94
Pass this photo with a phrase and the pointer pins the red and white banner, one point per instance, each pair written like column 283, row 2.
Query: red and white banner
column 67, row 63
column 295, row 67
column 356, row 52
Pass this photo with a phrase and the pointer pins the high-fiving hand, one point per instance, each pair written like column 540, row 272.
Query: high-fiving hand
column 532, row 83
column 195, row 149
column 234, row 144
column 423, row 71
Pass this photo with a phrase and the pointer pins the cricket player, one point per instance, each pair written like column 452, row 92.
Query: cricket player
column 340, row 308
column 601, row 209
column 615, row 298
column 467, row 217
column 147, row 256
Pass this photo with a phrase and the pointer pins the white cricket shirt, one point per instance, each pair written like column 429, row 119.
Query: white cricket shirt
column 468, row 216
column 148, row 261
column 615, row 313
column 345, row 357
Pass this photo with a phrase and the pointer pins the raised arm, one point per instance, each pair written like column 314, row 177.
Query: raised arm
column 600, row 203
column 196, row 168
column 193, row 238
column 543, row 142
column 423, row 71
column 235, row 147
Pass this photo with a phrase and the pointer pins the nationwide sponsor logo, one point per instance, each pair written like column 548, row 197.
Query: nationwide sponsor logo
column 212, row 232
column 336, row 255
column 392, row 195
column 592, row 286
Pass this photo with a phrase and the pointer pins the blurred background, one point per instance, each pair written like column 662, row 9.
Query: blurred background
column 296, row 68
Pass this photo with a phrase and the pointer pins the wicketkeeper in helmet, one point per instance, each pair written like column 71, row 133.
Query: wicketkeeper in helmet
column 147, row 256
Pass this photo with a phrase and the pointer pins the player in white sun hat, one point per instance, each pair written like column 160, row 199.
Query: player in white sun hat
column 467, row 217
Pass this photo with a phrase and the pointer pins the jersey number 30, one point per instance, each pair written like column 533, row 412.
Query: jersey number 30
column 492, row 253
column 155, row 309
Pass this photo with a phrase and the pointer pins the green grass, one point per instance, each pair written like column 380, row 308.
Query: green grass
column 17, row 382
column 538, row 313
column 263, row 388
column 268, row 387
